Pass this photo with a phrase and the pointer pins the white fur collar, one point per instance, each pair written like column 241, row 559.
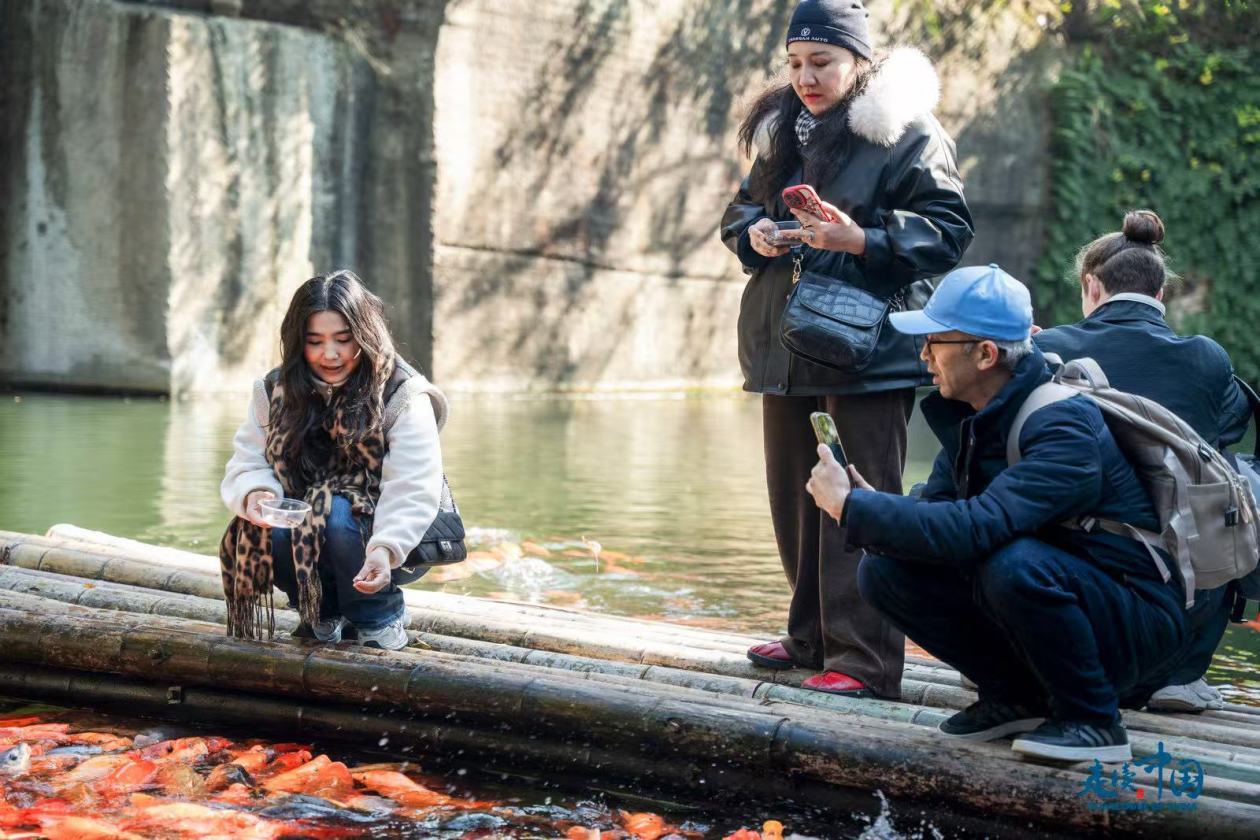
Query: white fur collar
column 904, row 88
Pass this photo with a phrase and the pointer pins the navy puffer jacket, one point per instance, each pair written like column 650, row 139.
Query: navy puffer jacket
column 974, row 503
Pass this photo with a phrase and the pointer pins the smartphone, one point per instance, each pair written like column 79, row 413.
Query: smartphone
column 776, row 239
column 803, row 197
column 826, row 432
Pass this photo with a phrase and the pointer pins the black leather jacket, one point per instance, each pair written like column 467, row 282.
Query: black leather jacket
column 909, row 198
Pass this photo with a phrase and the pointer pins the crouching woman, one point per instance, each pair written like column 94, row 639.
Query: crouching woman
column 351, row 429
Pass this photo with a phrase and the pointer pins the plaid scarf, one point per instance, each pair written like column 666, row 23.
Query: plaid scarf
column 245, row 559
column 805, row 125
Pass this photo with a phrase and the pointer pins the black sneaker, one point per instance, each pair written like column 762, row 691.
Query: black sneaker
column 1072, row 740
column 987, row 720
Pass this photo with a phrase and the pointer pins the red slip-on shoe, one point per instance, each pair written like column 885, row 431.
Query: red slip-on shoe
column 771, row 655
column 834, row 682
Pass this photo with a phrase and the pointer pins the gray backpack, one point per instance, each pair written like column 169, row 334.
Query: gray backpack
column 1209, row 523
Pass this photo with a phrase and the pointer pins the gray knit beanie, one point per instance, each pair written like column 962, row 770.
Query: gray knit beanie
column 838, row 22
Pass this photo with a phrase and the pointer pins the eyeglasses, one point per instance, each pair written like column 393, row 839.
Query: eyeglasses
column 928, row 342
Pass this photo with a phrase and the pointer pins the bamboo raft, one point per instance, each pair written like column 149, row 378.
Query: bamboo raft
column 86, row 618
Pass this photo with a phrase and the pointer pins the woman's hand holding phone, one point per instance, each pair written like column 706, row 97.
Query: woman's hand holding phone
column 759, row 235
column 843, row 235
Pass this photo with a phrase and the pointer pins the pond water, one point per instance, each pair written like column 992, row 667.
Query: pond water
column 651, row 506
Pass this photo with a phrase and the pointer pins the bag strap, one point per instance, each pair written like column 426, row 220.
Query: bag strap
column 1254, row 399
column 1043, row 395
column 1086, row 370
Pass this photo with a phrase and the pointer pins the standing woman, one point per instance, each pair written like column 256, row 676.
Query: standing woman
column 349, row 427
column 859, row 129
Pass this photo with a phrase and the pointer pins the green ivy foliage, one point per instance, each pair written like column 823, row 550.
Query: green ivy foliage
column 1161, row 109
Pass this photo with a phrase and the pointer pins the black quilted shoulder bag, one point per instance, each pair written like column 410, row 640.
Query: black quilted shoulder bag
column 443, row 543
column 830, row 322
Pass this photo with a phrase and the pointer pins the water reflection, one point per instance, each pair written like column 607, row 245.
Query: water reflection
column 648, row 506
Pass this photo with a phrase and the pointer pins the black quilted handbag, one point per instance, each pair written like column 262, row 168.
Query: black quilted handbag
column 443, row 543
column 830, row 322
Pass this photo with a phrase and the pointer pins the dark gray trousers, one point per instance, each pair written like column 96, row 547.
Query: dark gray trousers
column 829, row 625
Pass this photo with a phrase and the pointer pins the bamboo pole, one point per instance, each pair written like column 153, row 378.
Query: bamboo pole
column 903, row 761
column 919, row 669
column 915, row 692
column 562, row 631
column 117, row 596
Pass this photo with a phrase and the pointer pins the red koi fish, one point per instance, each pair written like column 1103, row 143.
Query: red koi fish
column 405, row 791
column 318, row 777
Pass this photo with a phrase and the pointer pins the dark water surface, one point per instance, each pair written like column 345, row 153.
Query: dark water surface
column 667, row 491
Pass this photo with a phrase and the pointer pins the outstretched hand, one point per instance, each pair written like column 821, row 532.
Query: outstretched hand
column 375, row 574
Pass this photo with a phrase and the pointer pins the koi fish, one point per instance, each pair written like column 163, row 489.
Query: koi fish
column 16, row 761
column 645, row 826
column 188, row 819
column 180, row 749
column 318, row 777
column 404, row 791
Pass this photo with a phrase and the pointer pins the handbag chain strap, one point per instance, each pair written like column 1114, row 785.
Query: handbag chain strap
column 896, row 303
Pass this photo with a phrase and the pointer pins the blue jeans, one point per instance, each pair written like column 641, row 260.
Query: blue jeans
column 1034, row 624
column 340, row 559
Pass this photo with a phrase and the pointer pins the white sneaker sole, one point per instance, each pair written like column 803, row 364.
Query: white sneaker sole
column 1036, row 749
column 1011, row 727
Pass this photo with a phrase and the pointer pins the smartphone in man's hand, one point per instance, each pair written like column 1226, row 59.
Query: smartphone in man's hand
column 826, row 432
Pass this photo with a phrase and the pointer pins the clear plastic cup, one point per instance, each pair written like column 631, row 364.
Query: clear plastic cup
column 283, row 513
column 777, row 240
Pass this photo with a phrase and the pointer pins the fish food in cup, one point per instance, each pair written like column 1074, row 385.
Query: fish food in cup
column 283, row 513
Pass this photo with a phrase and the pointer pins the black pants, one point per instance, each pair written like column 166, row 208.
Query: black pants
column 829, row 625
column 1207, row 621
column 1034, row 624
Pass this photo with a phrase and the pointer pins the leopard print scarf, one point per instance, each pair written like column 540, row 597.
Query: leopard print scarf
column 352, row 470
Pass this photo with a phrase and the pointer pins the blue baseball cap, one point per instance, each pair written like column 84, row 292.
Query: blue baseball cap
column 980, row 300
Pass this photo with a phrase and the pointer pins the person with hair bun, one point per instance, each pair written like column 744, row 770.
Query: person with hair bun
column 1122, row 277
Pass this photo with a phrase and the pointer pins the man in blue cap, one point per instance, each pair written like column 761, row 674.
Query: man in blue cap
column 987, row 570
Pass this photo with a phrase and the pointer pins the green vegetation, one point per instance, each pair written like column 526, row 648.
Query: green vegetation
column 1161, row 109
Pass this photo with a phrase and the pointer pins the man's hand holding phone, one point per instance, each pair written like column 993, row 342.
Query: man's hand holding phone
column 829, row 483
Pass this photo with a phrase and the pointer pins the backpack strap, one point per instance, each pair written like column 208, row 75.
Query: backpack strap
column 1254, row 400
column 1043, row 395
column 1085, row 370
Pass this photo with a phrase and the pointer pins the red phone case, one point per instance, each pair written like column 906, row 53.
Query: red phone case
column 803, row 197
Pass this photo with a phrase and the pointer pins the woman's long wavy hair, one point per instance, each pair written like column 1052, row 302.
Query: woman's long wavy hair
column 304, row 408
column 775, row 110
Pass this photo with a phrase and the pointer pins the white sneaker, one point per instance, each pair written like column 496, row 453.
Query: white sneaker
column 1197, row 696
column 329, row 629
column 392, row 636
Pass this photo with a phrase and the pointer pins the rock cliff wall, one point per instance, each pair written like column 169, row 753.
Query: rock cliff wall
column 533, row 188
column 172, row 176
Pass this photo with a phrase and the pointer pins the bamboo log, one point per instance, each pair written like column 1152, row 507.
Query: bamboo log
column 902, row 760
column 916, row 693
column 1226, row 763
column 918, row 669
column 569, row 632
